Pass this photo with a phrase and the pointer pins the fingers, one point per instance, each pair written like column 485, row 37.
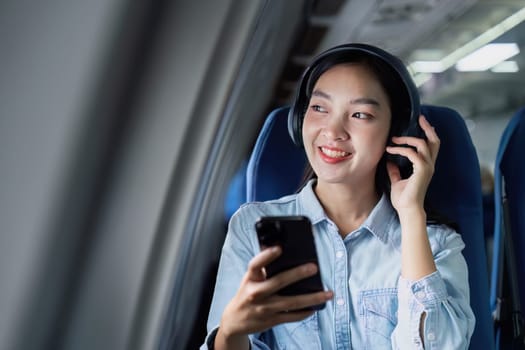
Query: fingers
column 290, row 276
column 420, row 163
column 427, row 149
column 420, row 145
column 433, row 140
column 298, row 303
column 286, row 308
column 429, row 130
column 293, row 316
column 269, row 286
column 256, row 266
column 393, row 172
column 408, row 152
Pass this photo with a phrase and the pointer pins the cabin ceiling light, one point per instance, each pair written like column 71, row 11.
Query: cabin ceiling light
column 505, row 67
column 481, row 40
column 427, row 66
column 487, row 57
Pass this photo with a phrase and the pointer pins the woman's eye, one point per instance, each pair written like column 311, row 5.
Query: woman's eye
column 318, row 108
column 361, row 115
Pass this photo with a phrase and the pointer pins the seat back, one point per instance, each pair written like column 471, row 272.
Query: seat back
column 276, row 165
column 455, row 192
column 276, row 168
column 509, row 220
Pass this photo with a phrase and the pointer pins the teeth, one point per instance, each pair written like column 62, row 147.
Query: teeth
column 333, row 153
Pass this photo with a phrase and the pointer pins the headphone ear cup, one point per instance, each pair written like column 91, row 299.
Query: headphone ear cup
column 294, row 128
column 295, row 118
column 414, row 130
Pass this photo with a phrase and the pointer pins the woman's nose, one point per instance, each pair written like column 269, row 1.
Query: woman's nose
column 335, row 128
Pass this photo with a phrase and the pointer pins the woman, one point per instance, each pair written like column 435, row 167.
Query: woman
column 393, row 279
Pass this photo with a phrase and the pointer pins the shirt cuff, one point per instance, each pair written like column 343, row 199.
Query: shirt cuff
column 210, row 340
column 428, row 291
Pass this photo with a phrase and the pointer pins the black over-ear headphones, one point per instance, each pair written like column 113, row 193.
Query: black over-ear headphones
column 405, row 89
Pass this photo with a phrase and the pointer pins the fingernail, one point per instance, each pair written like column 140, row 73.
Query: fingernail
column 310, row 268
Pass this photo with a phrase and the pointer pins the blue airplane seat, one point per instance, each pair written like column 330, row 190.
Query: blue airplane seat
column 280, row 156
column 509, row 233
column 276, row 168
column 455, row 192
column 236, row 194
column 276, row 165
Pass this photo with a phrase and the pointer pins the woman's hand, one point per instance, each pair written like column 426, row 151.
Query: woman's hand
column 256, row 306
column 409, row 194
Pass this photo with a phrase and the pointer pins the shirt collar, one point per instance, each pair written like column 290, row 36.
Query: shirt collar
column 378, row 222
column 309, row 203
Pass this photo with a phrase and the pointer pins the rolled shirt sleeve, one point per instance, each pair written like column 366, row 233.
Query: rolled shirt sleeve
column 442, row 296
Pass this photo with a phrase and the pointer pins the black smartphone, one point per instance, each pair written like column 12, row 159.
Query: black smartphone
column 294, row 235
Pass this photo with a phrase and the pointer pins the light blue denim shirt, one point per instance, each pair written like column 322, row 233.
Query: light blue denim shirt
column 373, row 306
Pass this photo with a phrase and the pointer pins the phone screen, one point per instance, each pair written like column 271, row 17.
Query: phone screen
column 294, row 235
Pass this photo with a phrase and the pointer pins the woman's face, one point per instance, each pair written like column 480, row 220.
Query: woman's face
column 346, row 125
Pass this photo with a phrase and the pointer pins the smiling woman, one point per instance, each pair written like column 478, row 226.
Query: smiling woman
column 397, row 281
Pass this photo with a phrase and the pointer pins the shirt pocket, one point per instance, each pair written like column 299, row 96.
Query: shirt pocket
column 298, row 335
column 378, row 311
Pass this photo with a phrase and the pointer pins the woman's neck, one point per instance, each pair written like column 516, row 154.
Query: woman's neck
column 347, row 206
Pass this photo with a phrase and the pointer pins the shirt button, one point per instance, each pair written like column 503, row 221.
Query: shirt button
column 340, row 301
column 421, row 294
column 339, row 254
column 431, row 336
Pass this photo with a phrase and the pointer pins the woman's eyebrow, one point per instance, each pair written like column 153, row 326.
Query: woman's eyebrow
column 322, row 94
column 358, row 101
column 365, row 101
